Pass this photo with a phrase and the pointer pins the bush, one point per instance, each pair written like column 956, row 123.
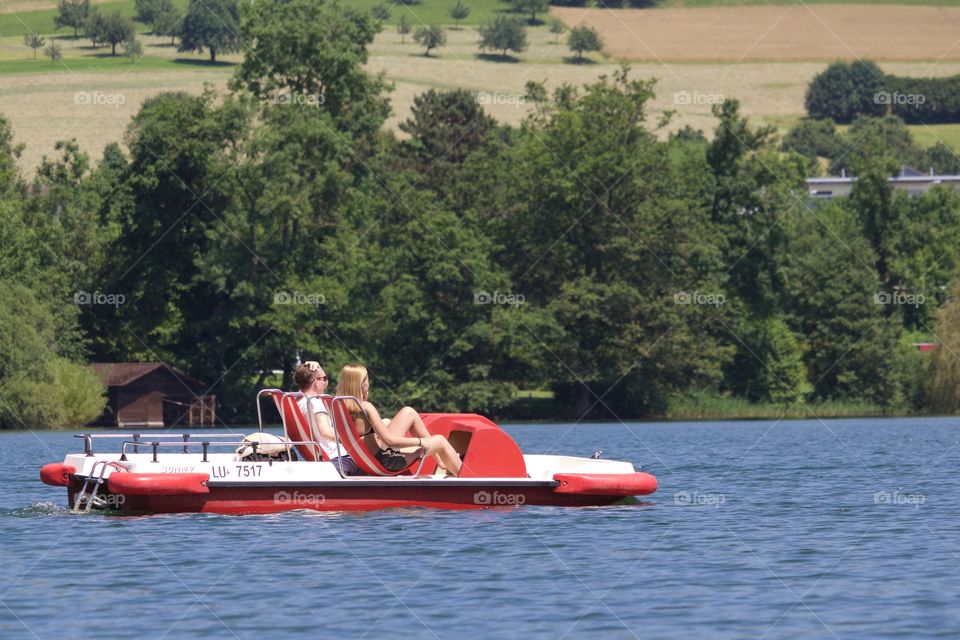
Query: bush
column 813, row 138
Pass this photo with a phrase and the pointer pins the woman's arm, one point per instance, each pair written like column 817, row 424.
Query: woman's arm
column 380, row 428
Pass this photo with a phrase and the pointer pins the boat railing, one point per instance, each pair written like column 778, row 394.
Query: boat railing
column 137, row 439
column 205, row 445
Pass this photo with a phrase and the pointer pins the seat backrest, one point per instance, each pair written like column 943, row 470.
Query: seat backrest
column 297, row 427
column 353, row 443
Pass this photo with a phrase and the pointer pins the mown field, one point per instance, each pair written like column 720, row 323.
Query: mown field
column 91, row 96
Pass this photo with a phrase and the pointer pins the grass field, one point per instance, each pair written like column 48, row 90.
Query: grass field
column 39, row 97
column 774, row 33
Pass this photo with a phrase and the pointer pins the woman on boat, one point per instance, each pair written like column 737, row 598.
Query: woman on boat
column 392, row 433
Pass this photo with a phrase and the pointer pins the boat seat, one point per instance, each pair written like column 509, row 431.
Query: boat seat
column 297, row 428
column 353, row 443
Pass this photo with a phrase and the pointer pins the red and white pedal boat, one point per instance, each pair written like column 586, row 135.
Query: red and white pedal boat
column 203, row 473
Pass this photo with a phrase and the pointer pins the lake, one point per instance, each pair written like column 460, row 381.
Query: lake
column 798, row 529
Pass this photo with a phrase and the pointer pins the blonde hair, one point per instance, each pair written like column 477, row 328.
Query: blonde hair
column 351, row 384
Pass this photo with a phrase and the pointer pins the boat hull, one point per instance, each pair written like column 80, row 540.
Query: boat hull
column 141, row 495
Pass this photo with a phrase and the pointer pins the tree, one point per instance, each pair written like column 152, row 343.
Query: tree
column 584, row 39
column 556, row 28
column 167, row 23
column 533, row 7
column 109, row 29
column 147, row 10
column 72, row 13
column 944, row 378
column 381, row 12
column 132, row 48
column 94, row 27
column 403, row 28
column 459, row 12
column 444, row 128
column 843, row 91
column 34, row 41
column 814, row 139
column 431, row 37
column 211, row 24
column 53, row 51
column 503, row 34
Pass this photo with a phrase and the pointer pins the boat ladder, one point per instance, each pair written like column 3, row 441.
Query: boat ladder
column 88, row 498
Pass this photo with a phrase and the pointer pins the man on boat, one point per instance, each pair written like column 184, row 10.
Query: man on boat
column 312, row 381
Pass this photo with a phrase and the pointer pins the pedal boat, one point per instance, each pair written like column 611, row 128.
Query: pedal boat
column 205, row 472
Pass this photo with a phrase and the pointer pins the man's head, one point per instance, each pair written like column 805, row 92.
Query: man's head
column 310, row 377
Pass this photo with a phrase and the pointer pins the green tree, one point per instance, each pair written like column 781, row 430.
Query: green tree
column 458, row 12
column 444, row 128
column 167, row 23
column 532, row 7
column 845, row 90
column 72, row 13
column 814, row 139
column 944, row 372
column 34, row 41
column 41, row 389
column 591, row 216
column 503, row 34
column 556, row 28
column 403, row 28
column 109, row 29
column 381, row 12
column 147, row 10
column 53, row 51
column 213, row 25
column 132, row 48
column 430, row 37
column 584, row 39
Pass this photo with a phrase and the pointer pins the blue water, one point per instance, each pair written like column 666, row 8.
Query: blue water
column 833, row 529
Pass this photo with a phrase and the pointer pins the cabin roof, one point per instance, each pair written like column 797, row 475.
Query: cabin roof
column 120, row 374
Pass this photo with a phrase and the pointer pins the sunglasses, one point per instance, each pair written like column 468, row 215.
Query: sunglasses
column 324, row 378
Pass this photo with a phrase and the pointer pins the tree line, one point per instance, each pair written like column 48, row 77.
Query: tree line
column 581, row 252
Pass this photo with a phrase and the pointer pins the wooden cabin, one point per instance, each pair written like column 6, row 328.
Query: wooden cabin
column 152, row 394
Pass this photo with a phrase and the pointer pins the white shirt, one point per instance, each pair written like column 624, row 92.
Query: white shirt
column 329, row 445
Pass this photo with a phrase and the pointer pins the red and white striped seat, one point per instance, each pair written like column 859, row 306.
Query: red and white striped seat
column 297, row 427
column 353, row 443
